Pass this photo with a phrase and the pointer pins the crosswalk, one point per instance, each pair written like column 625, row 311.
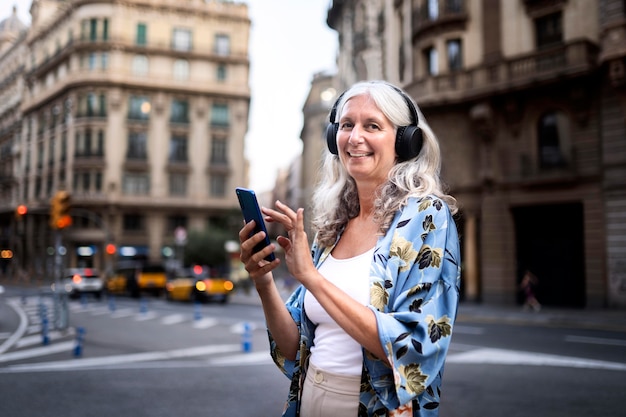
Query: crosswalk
column 28, row 343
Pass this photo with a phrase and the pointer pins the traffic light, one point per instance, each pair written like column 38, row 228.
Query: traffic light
column 60, row 210
column 110, row 249
column 20, row 211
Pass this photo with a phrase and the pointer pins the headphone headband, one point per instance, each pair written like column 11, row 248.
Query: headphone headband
column 408, row 138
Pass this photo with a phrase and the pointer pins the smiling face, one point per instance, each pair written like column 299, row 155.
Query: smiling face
column 366, row 141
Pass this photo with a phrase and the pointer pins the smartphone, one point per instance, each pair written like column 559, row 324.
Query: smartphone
column 251, row 211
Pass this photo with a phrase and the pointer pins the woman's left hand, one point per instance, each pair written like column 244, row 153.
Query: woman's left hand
column 296, row 245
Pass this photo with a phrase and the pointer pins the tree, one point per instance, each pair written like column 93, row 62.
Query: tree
column 206, row 247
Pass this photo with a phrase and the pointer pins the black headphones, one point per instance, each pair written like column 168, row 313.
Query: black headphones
column 408, row 138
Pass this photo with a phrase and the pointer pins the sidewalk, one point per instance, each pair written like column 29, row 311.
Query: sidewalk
column 593, row 319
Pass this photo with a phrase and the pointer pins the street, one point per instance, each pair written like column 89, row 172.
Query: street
column 151, row 357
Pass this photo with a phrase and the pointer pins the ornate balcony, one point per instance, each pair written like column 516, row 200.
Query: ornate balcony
column 539, row 67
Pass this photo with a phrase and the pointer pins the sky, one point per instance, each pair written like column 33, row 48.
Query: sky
column 289, row 43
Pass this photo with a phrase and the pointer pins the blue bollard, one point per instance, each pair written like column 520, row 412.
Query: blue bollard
column 111, row 303
column 197, row 312
column 246, row 338
column 83, row 300
column 143, row 305
column 45, row 339
column 78, row 345
column 43, row 312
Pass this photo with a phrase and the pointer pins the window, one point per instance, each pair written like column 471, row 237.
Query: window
column 180, row 110
column 133, row 222
column 181, row 70
column 433, row 9
column 139, row 108
column 455, row 61
column 176, row 221
column 432, row 61
column 549, row 30
column 141, row 34
column 92, row 105
column 98, row 181
column 93, row 29
column 221, row 73
column 102, row 105
column 140, row 65
column 137, row 146
column 63, row 146
column 552, row 138
column 178, row 149
column 105, row 29
column 83, row 143
column 181, row 40
column 222, row 44
column 86, row 181
column 219, row 149
column 93, row 61
column 178, row 184
column 135, row 183
column 219, row 115
column 217, row 185
column 99, row 150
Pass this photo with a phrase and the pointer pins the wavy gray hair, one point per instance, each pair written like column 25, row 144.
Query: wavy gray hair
column 335, row 200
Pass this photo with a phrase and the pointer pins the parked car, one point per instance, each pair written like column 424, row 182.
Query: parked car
column 78, row 281
column 135, row 278
column 194, row 286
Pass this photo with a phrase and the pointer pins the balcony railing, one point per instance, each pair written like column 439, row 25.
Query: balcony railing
column 447, row 12
column 568, row 60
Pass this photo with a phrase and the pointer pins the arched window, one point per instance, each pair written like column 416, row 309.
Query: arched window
column 553, row 140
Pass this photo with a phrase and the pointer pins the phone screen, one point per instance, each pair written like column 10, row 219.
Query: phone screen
column 251, row 211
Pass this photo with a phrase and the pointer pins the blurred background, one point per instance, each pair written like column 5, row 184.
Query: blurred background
column 126, row 126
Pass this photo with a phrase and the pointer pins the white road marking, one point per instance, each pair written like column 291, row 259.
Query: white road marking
column 20, row 329
column 173, row 319
column 116, row 360
column 35, row 352
column 204, row 323
column 595, row 340
column 36, row 339
column 490, row 356
column 149, row 315
column 124, row 312
column 252, row 358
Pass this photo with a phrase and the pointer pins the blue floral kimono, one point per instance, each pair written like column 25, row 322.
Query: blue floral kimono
column 414, row 293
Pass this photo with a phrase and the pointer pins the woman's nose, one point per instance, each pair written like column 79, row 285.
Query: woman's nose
column 356, row 135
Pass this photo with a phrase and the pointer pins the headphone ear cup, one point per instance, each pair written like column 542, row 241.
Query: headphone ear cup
column 408, row 142
column 331, row 137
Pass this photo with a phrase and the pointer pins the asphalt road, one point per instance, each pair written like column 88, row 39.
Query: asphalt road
column 162, row 359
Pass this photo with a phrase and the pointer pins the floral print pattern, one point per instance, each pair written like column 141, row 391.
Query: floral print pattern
column 414, row 293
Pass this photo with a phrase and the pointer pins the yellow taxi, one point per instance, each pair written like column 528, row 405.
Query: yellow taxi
column 194, row 285
column 135, row 278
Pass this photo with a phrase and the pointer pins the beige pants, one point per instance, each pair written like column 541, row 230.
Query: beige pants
column 327, row 394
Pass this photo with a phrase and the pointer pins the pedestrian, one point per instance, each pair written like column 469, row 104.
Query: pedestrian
column 528, row 284
column 367, row 330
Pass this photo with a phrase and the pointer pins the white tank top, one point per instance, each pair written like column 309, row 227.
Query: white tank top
column 333, row 349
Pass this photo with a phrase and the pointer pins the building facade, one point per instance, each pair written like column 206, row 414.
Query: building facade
column 139, row 110
column 528, row 99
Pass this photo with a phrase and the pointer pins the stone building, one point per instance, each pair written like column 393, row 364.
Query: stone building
column 138, row 109
column 528, row 99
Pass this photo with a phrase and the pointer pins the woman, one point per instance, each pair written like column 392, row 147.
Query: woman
column 367, row 331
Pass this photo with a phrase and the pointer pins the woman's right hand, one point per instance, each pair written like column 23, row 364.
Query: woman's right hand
column 258, row 268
